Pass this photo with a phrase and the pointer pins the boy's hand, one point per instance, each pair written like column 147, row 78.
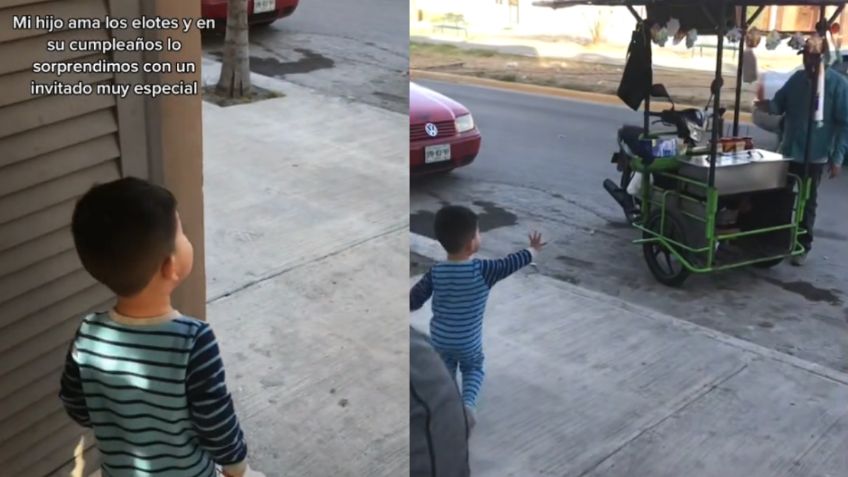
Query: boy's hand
column 835, row 171
column 536, row 241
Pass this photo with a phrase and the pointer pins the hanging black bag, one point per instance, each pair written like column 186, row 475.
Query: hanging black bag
column 638, row 74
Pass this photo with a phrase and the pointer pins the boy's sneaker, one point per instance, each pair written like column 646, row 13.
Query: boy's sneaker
column 470, row 417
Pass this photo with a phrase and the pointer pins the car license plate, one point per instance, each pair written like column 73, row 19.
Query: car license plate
column 440, row 153
column 262, row 6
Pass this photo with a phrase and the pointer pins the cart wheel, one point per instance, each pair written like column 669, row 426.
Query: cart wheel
column 665, row 267
column 768, row 263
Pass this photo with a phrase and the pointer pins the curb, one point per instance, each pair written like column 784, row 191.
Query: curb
column 425, row 246
column 575, row 95
column 432, row 249
column 211, row 68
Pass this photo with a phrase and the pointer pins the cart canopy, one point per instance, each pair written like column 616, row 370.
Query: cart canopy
column 700, row 15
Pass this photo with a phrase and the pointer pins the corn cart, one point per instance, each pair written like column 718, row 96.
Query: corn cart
column 703, row 202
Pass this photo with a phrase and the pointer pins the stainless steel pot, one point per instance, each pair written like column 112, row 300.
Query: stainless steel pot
column 745, row 171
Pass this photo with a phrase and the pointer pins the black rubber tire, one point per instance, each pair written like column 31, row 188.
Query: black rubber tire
column 665, row 273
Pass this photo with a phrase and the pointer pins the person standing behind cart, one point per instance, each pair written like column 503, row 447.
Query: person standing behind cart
column 829, row 139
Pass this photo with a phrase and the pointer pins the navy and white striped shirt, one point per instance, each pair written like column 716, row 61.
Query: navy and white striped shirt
column 460, row 291
column 154, row 392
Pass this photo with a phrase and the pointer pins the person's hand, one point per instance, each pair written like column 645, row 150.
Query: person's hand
column 536, row 241
column 762, row 105
column 835, row 171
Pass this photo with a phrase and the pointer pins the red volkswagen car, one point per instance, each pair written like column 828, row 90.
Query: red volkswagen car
column 259, row 11
column 442, row 133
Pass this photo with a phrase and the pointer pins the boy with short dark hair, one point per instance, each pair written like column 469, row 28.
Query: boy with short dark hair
column 460, row 288
column 149, row 381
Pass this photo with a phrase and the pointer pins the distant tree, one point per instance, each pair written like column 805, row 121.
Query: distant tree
column 598, row 20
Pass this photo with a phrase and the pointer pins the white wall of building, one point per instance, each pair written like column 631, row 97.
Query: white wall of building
column 493, row 17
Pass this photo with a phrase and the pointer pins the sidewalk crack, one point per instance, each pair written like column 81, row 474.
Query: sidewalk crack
column 803, row 455
column 715, row 385
column 283, row 271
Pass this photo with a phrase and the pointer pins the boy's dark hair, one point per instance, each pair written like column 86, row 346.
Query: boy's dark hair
column 123, row 231
column 455, row 226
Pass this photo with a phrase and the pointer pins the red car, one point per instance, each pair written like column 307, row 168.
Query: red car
column 259, row 11
column 442, row 133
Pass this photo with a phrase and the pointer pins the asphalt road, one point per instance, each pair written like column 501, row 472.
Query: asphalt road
column 541, row 167
column 355, row 50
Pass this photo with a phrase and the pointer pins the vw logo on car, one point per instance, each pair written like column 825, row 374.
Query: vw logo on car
column 431, row 130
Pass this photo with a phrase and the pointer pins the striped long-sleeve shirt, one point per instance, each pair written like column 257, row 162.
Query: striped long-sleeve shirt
column 154, row 392
column 460, row 291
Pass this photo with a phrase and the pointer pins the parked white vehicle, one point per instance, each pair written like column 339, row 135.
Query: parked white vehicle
column 768, row 83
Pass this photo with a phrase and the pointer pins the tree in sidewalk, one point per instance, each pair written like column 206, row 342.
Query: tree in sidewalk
column 598, row 20
column 235, row 70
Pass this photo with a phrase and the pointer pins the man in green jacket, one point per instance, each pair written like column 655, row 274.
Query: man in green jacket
column 829, row 139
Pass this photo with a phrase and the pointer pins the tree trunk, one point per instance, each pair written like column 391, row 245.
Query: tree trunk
column 235, row 70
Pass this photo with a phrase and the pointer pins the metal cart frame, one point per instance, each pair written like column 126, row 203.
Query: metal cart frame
column 701, row 258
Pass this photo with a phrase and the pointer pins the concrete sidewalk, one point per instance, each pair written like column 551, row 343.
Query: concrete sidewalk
column 307, row 215
column 583, row 384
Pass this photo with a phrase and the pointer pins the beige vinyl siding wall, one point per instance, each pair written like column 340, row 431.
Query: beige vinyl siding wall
column 52, row 149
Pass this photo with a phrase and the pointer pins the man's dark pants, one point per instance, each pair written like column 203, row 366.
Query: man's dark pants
column 816, row 172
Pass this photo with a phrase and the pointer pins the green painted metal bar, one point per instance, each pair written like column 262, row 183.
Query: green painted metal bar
column 712, row 210
column 709, row 269
column 686, row 180
column 749, row 233
column 662, row 238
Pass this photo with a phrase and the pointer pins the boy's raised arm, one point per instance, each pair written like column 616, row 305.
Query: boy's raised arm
column 421, row 292
column 212, row 413
column 496, row 270
column 71, row 391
